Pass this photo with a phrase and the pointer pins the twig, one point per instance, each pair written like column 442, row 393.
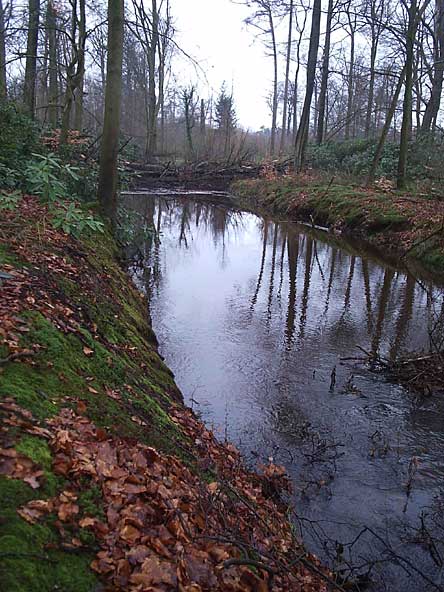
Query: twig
column 17, row 356
column 254, row 563
column 11, row 555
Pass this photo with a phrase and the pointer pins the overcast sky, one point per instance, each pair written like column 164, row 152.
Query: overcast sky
column 214, row 33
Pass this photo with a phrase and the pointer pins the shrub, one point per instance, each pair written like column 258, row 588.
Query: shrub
column 18, row 139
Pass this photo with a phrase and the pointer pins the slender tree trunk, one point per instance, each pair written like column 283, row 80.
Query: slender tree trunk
column 78, row 120
column 432, row 108
column 52, row 64
column 202, row 127
column 324, row 78
column 31, row 56
column 371, row 88
column 152, row 98
column 287, row 78
column 76, row 68
column 302, row 135
column 107, row 190
column 2, row 53
column 408, row 97
column 350, row 77
column 296, row 77
column 386, row 128
column 275, row 84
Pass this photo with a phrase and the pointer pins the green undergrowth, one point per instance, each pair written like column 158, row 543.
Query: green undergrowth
column 114, row 351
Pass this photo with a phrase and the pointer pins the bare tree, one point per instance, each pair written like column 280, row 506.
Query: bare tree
column 107, row 190
column 189, row 107
column 76, row 68
column 434, row 102
column 51, row 33
column 322, row 101
column 2, row 52
column 287, row 77
column 31, row 56
column 302, row 134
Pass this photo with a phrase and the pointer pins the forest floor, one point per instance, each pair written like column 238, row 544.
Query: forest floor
column 407, row 226
column 107, row 481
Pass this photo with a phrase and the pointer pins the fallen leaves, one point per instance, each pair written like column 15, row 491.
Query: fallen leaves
column 161, row 528
column 17, row 466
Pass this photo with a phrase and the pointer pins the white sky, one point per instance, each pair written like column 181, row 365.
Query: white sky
column 214, row 33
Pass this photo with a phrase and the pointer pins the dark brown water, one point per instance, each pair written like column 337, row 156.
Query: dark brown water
column 252, row 315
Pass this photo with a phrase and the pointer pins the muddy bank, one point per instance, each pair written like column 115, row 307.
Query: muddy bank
column 409, row 227
column 106, row 479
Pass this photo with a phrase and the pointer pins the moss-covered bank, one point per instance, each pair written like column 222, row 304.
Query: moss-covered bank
column 71, row 305
column 106, row 480
column 409, row 226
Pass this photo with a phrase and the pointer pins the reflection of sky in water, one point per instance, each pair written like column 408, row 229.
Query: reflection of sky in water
column 252, row 316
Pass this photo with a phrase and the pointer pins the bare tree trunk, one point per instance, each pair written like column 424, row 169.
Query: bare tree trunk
column 76, row 67
column 408, row 96
column 202, row 127
column 52, row 63
column 296, row 76
column 386, row 128
column 302, row 135
column 31, row 56
column 371, row 88
column 275, row 82
column 324, row 78
column 2, row 53
column 287, row 77
column 107, row 190
column 434, row 102
column 152, row 98
column 350, row 77
column 188, row 105
column 78, row 120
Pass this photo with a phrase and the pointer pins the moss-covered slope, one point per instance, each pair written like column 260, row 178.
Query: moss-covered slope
column 70, row 306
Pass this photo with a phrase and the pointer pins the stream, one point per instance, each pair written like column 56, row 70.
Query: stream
column 254, row 315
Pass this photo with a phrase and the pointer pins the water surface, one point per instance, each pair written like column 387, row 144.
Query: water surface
column 254, row 316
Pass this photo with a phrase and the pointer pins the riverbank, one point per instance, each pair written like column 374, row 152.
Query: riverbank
column 106, row 478
column 410, row 227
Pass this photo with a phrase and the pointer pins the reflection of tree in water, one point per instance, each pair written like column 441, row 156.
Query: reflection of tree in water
column 368, row 296
column 333, row 253
column 306, row 289
column 292, row 255
column 273, row 265
column 262, row 266
column 404, row 318
column 283, row 250
column 184, row 217
column 381, row 310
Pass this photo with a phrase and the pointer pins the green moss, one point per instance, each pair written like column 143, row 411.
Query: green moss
column 28, row 562
column 36, row 449
column 90, row 500
column 434, row 259
column 32, row 390
column 6, row 257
